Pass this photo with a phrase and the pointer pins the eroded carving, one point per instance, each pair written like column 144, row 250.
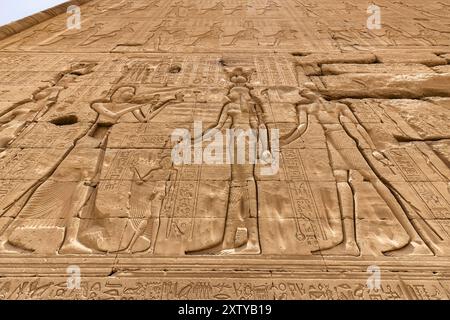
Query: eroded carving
column 87, row 174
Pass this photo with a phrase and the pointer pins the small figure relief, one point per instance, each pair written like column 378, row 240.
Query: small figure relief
column 110, row 7
column 342, row 38
column 210, row 38
column 217, row 9
column 445, row 7
column 351, row 38
column 146, row 205
column 177, row 10
column 350, row 8
column 177, row 38
column 106, row 35
column 145, row 7
column 432, row 36
column 284, row 36
column 433, row 11
column 240, row 9
column 36, row 36
column 241, row 111
column 394, row 36
column 249, row 34
column 270, row 7
column 161, row 38
column 133, row 222
column 14, row 119
column 73, row 36
column 357, row 183
column 347, row 39
column 308, row 8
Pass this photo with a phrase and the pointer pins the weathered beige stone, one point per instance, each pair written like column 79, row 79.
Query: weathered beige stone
column 323, row 58
column 391, row 68
column 426, row 58
column 352, row 173
column 413, row 85
column 442, row 69
column 446, row 57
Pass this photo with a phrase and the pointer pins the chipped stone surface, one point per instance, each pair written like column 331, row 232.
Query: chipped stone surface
column 442, row 69
column 88, row 178
column 413, row 85
column 428, row 59
column 391, row 68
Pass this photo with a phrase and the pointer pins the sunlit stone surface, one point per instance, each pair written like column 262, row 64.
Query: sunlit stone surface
column 93, row 203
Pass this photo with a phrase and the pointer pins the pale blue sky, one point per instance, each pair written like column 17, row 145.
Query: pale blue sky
column 12, row 10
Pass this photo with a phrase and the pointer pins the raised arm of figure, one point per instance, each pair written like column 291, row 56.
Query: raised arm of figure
column 377, row 154
column 139, row 116
column 347, row 114
column 103, row 110
column 209, row 133
column 302, row 126
column 158, row 108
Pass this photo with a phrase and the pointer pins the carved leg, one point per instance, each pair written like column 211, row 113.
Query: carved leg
column 252, row 245
column 236, row 203
column 5, row 246
column 71, row 244
column 416, row 245
column 348, row 246
column 137, row 234
column 239, row 217
column 249, row 209
column 233, row 42
column 145, row 241
column 154, row 231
